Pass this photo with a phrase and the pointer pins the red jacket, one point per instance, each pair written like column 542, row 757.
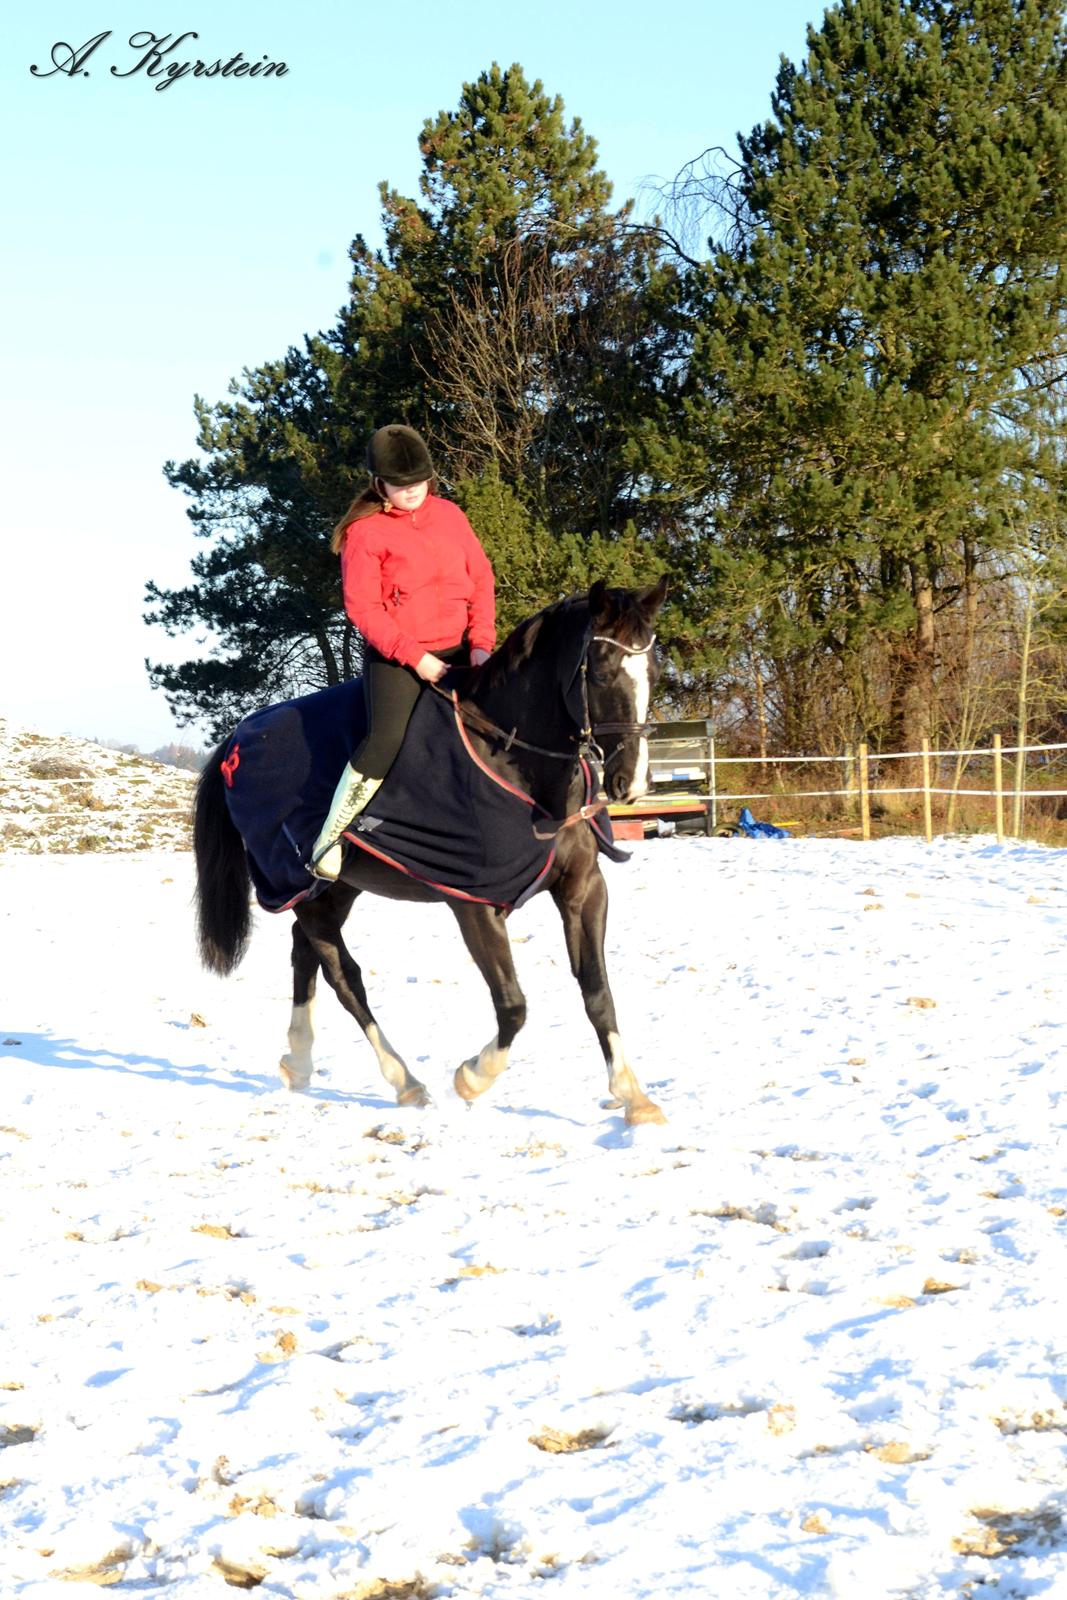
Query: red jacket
column 417, row 581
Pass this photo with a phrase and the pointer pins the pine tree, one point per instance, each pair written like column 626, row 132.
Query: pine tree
column 857, row 418
column 266, row 588
column 534, row 566
column 505, row 180
column 510, row 312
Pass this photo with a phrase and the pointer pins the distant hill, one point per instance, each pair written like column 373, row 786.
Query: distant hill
column 61, row 794
column 180, row 755
column 171, row 755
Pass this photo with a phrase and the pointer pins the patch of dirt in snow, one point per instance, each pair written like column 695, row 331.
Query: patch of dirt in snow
column 1001, row 1533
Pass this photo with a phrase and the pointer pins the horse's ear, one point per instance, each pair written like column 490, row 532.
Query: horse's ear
column 650, row 600
column 598, row 603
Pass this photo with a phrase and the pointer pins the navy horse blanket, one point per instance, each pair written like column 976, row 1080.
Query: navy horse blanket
column 440, row 816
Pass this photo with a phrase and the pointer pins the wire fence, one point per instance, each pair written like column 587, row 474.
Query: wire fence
column 687, row 752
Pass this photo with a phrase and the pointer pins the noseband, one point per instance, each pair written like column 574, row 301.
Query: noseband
column 592, row 730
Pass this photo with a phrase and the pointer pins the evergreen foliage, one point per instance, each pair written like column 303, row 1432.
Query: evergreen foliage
column 840, row 434
column 858, row 432
column 535, row 566
column 510, row 197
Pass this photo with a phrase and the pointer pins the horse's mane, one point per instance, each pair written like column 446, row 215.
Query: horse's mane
column 521, row 641
column 629, row 625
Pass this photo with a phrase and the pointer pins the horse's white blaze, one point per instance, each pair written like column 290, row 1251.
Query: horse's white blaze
column 296, row 1065
column 636, row 669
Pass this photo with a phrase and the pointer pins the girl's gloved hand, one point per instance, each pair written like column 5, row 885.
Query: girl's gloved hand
column 430, row 668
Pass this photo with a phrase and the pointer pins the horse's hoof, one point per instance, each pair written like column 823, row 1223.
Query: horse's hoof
column 290, row 1077
column 640, row 1111
column 463, row 1085
column 417, row 1095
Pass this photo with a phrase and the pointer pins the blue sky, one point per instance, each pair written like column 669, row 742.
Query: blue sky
column 161, row 241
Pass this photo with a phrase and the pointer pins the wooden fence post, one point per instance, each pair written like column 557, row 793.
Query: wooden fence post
column 998, row 785
column 928, row 820
column 713, row 788
column 865, row 796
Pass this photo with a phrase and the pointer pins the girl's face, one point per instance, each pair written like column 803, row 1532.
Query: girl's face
column 409, row 498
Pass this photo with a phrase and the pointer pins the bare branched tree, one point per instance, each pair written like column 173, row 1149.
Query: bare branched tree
column 495, row 357
column 703, row 202
column 540, row 364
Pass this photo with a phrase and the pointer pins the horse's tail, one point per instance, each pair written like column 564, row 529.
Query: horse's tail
column 223, row 884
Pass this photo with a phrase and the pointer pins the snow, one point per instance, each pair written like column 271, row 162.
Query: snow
column 807, row 1339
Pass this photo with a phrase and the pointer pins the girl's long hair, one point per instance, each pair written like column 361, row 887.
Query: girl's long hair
column 369, row 500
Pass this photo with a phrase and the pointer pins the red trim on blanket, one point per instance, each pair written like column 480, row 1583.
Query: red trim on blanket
column 588, row 776
column 594, row 823
column 288, row 906
column 594, row 808
column 442, row 888
column 551, row 861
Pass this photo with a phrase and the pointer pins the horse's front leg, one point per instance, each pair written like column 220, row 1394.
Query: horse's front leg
column 320, row 922
column 486, row 936
column 582, row 897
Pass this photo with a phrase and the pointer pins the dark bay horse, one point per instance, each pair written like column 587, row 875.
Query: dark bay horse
column 577, row 675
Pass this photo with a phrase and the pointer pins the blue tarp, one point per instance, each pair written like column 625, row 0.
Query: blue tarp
column 758, row 830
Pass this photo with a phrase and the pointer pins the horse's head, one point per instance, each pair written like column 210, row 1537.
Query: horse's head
column 620, row 675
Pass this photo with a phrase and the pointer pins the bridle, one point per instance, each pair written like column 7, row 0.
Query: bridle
column 588, row 748
column 626, row 729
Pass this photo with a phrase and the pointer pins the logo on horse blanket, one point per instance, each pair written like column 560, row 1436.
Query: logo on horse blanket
column 440, row 816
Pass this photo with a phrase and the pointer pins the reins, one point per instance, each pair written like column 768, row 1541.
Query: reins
column 587, row 747
column 586, row 753
column 471, row 717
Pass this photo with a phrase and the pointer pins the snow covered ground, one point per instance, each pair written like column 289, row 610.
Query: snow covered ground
column 60, row 793
column 808, row 1339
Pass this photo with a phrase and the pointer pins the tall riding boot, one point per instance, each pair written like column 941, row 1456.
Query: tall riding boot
column 353, row 792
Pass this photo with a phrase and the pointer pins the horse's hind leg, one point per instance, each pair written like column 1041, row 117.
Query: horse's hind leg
column 296, row 1065
column 486, row 936
column 320, row 922
column 582, row 898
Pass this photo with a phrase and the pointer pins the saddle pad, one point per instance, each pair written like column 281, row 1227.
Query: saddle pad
column 281, row 768
column 442, row 818
column 439, row 816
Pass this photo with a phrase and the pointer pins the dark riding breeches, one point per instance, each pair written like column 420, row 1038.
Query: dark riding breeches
column 390, row 692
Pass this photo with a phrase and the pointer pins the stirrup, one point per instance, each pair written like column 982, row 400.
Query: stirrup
column 328, row 865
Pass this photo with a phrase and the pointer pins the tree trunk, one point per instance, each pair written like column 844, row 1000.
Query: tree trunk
column 761, row 716
column 329, row 659
column 347, row 641
column 913, row 714
column 1021, row 709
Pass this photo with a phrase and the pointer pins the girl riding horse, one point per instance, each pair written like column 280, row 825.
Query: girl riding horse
column 419, row 587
